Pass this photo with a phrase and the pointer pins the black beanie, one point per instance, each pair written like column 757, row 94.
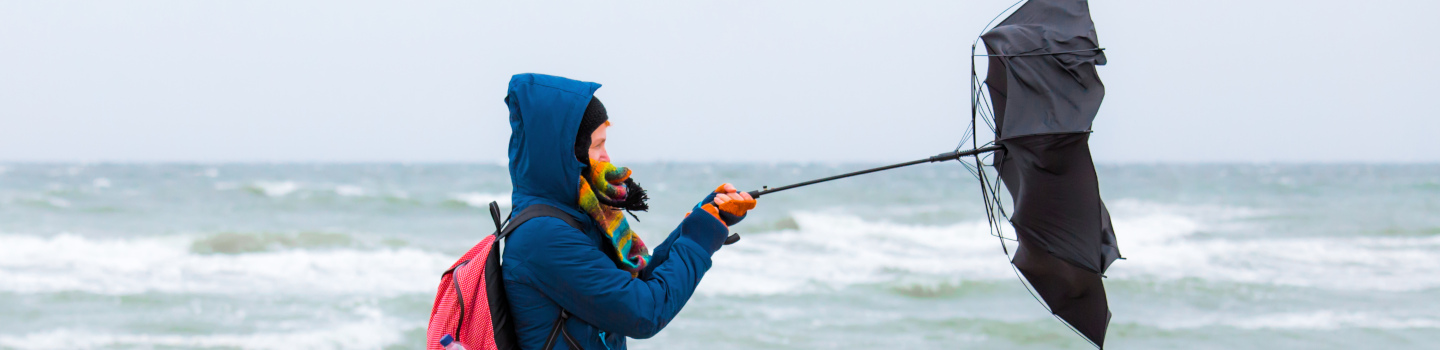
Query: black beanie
column 594, row 116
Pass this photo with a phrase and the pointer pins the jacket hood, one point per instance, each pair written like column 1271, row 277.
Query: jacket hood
column 545, row 113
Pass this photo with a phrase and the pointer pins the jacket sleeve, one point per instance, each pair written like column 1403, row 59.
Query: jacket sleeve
column 569, row 270
column 660, row 254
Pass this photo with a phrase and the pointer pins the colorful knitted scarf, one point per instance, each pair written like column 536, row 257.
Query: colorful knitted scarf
column 604, row 179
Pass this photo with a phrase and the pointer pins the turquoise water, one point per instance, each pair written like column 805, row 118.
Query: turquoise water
column 320, row 256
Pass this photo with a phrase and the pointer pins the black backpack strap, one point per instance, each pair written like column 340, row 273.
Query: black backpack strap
column 534, row 211
column 495, row 214
column 560, row 330
column 504, row 230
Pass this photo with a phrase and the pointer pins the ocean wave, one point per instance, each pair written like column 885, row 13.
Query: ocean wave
column 37, row 201
column 1312, row 320
column 32, row 264
column 1326, row 320
column 479, row 199
column 235, row 243
column 273, row 189
column 1213, row 217
column 830, row 251
column 349, row 191
column 370, row 330
column 293, row 190
column 1386, row 264
column 1160, row 244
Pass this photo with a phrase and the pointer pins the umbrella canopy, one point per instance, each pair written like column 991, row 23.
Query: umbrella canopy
column 1045, row 93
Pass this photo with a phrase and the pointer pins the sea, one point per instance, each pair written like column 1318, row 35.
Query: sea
column 348, row 256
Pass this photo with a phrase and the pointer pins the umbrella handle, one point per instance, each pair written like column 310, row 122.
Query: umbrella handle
column 734, row 237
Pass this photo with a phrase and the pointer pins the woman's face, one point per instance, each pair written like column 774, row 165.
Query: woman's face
column 597, row 144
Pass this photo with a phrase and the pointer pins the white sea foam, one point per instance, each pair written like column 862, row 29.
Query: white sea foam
column 1160, row 246
column 100, row 182
column 38, row 200
column 349, row 191
column 31, row 264
column 1333, row 320
column 833, row 251
column 275, row 188
column 1312, row 320
column 371, row 330
column 481, row 200
column 1389, row 264
column 57, row 202
column 1159, row 243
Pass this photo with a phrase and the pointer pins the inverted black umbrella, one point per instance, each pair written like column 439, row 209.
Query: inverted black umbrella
column 1044, row 94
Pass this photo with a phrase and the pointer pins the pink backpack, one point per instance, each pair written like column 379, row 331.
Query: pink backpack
column 470, row 302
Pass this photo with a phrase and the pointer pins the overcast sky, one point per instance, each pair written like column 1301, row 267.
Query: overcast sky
column 419, row 81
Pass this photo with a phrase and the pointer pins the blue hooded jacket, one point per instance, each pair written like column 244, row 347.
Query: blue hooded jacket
column 548, row 265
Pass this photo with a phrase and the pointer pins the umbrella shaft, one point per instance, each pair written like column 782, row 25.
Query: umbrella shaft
column 937, row 158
